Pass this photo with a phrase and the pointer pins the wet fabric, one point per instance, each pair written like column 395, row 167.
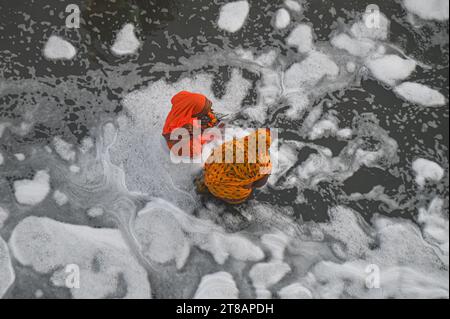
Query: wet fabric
column 234, row 166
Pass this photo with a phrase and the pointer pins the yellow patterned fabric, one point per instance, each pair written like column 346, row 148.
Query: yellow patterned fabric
column 234, row 166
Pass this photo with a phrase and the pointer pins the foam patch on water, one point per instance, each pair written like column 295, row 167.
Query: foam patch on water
column 323, row 166
column 105, row 263
column 219, row 285
column 435, row 226
column 3, row 127
column 376, row 194
column 420, row 94
column 353, row 46
column 282, row 19
column 316, row 127
column 295, row 291
column 7, row 275
column 184, row 240
column 32, row 192
column 126, row 41
column 56, row 48
column 301, row 76
column 166, row 233
column 74, row 169
column 356, row 241
column 64, row 149
column 310, row 71
column 406, row 264
column 20, row 157
column 4, row 214
column 293, row 5
column 276, row 243
column 390, row 68
column 311, row 260
column 428, row 10
column 233, row 15
column 301, row 38
column 366, row 29
column 323, row 128
column 60, row 198
column 95, row 212
column 427, row 170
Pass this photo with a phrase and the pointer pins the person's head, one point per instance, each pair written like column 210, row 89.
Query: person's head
column 185, row 106
column 207, row 108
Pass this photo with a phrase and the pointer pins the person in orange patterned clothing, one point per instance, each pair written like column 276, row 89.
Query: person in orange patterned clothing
column 236, row 168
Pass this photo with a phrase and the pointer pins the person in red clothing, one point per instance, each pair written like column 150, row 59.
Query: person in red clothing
column 192, row 112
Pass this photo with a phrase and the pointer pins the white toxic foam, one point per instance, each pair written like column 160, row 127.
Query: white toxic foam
column 356, row 241
column 328, row 126
column 166, row 233
column 323, row 128
column 60, row 198
column 276, row 243
column 293, row 5
column 435, row 226
column 353, row 46
column 427, row 170
column 219, row 285
column 344, row 133
column 233, row 15
column 390, row 68
column 126, row 41
column 310, row 71
column 19, row 156
column 282, row 19
column 389, row 260
column 428, row 10
column 348, row 257
column 32, row 192
column 95, row 212
column 420, row 94
column 57, row 48
column 265, row 275
column 100, row 255
column 152, row 170
column 7, row 275
column 371, row 27
column 286, row 159
column 295, row 291
column 3, row 126
column 301, row 38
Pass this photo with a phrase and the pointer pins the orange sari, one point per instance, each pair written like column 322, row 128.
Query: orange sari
column 231, row 178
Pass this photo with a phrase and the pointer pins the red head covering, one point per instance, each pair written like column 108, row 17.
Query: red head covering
column 184, row 106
